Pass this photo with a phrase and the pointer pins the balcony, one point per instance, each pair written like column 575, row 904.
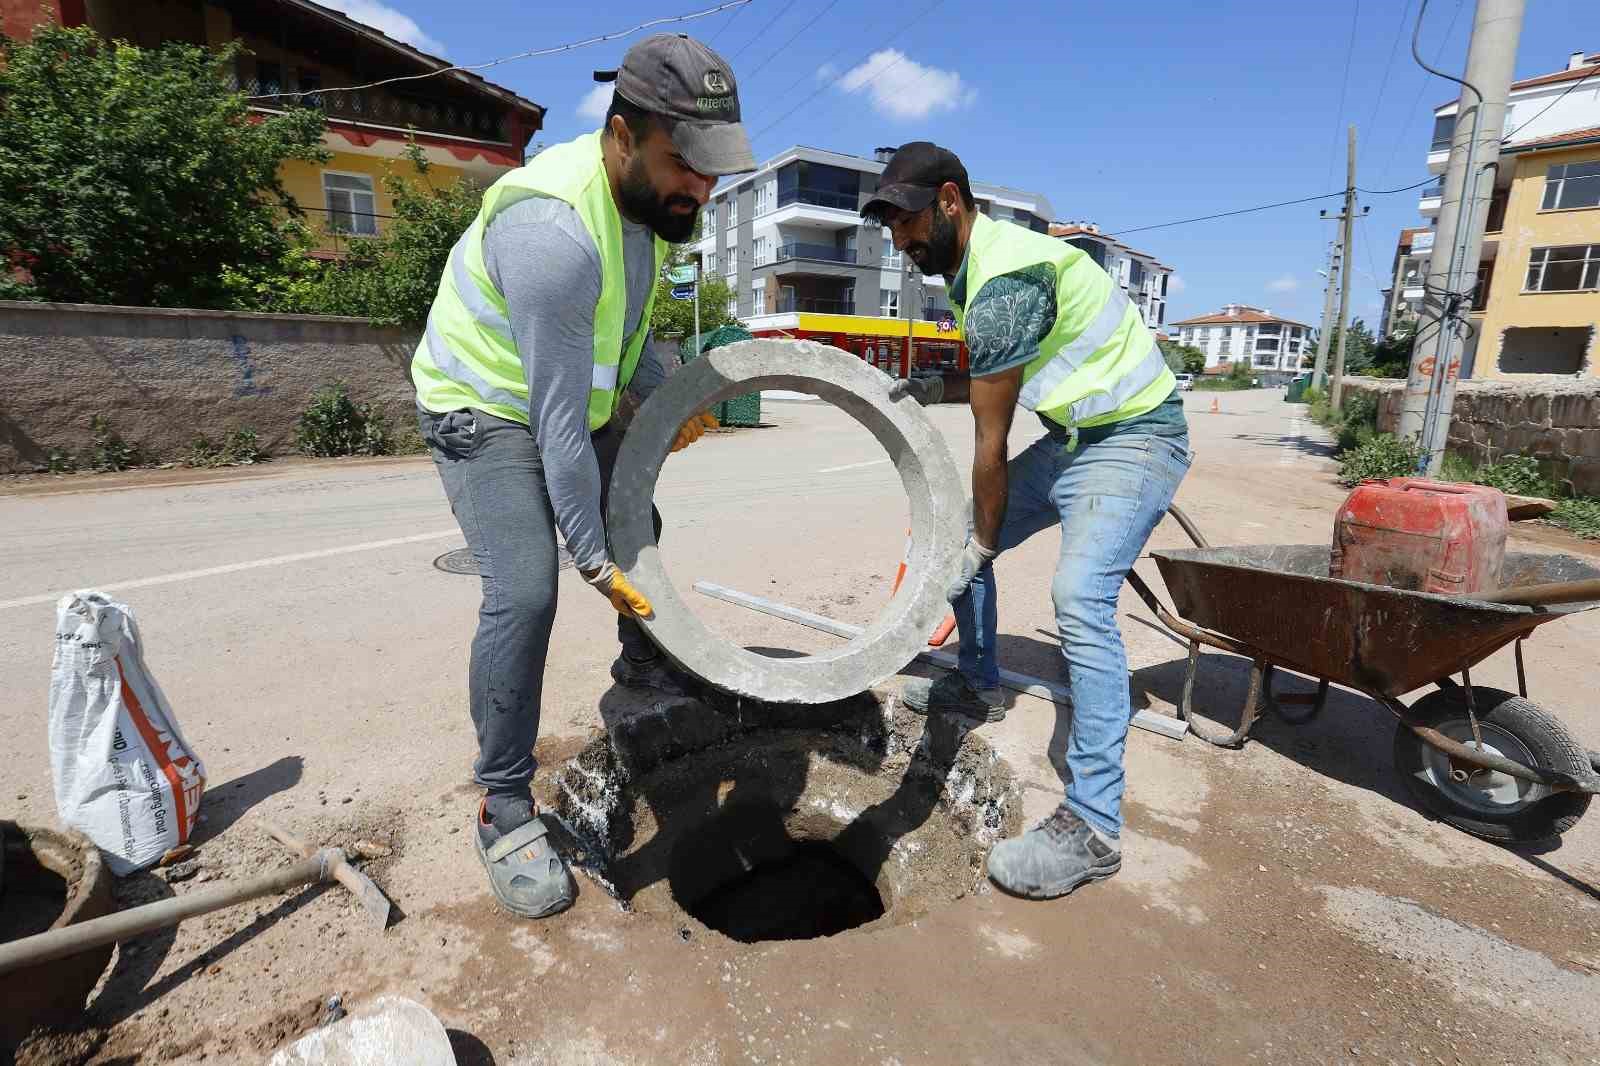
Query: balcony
column 816, row 306
column 839, row 201
column 1431, row 200
column 826, row 253
column 379, row 108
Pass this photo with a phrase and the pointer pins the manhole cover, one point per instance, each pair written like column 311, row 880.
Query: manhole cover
column 461, row 561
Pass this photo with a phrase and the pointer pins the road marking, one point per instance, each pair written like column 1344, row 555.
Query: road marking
column 1289, row 454
column 234, row 568
column 852, row 466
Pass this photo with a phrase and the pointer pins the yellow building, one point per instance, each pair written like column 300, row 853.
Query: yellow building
column 467, row 127
column 1543, row 306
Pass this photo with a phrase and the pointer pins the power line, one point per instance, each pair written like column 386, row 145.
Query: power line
column 533, row 54
column 723, row 28
column 1507, row 138
column 1389, row 66
column 760, row 34
column 1344, row 87
column 784, row 47
column 830, row 83
column 1445, row 43
column 1266, row 207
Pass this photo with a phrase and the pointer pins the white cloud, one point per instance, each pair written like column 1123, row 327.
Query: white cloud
column 381, row 16
column 1176, row 284
column 1287, row 283
column 901, row 87
column 596, row 102
column 827, row 72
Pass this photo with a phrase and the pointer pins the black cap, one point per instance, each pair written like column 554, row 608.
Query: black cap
column 913, row 178
column 675, row 76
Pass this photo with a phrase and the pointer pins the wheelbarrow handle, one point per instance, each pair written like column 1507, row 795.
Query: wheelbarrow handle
column 1543, row 595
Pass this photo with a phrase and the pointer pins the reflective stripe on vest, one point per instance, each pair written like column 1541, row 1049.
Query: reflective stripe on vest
column 1099, row 363
column 468, row 356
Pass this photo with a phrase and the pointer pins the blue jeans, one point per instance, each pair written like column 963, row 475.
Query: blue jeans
column 1107, row 497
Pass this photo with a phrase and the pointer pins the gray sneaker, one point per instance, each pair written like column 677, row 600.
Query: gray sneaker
column 952, row 694
column 1053, row 858
column 527, row 875
column 651, row 675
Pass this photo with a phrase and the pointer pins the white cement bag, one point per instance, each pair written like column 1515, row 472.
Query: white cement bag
column 124, row 774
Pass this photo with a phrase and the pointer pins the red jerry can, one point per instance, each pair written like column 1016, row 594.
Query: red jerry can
column 1428, row 536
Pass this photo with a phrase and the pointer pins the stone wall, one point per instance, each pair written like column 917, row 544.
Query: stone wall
column 162, row 376
column 1556, row 422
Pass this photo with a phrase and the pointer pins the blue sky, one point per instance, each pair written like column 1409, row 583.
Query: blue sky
column 1124, row 114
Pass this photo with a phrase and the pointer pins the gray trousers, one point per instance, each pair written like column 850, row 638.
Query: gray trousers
column 494, row 479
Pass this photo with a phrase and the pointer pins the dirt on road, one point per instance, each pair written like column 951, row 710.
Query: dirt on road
column 1282, row 903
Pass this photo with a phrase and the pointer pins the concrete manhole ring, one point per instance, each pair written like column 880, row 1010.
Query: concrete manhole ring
column 927, row 472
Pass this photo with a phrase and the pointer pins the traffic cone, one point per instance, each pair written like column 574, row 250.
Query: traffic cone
column 1214, row 408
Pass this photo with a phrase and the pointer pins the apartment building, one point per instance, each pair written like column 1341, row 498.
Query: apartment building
column 1142, row 276
column 468, row 127
column 1537, row 302
column 790, row 242
column 1402, row 300
column 1271, row 345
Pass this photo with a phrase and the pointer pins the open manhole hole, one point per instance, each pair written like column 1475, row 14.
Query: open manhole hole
column 765, row 822
column 461, row 561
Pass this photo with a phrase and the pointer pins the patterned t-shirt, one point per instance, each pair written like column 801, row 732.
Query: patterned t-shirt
column 1010, row 318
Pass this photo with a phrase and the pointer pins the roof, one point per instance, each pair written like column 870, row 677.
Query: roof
column 1065, row 230
column 1238, row 318
column 1582, row 136
column 377, row 36
column 1591, row 68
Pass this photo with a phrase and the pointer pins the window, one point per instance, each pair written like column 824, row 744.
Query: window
column 1271, row 329
column 806, row 182
column 758, row 296
column 766, row 194
column 351, row 205
column 891, row 259
column 1571, row 185
column 733, row 210
column 1444, row 131
column 1545, row 349
column 1266, row 344
column 733, row 307
column 311, row 82
column 763, row 250
column 1135, row 273
column 710, row 224
column 711, row 263
column 889, row 305
column 1571, row 268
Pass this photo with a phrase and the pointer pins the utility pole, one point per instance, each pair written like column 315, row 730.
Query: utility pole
column 1453, row 268
column 1319, row 376
column 1347, row 242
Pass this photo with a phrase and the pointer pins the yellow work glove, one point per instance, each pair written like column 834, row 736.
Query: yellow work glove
column 693, row 429
column 616, row 588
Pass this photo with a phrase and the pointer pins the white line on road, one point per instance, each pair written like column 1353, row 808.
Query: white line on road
column 851, row 466
column 233, row 568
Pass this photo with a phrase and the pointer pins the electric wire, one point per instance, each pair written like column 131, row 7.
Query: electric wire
column 1507, row 138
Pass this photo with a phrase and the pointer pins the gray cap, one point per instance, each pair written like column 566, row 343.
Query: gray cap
column 675, row 76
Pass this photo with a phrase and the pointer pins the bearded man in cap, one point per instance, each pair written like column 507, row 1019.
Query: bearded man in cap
column 533, row 360
column 1047, row 330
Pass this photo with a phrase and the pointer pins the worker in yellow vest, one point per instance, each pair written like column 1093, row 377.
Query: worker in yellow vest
column 1050, row 331
column 533, row 359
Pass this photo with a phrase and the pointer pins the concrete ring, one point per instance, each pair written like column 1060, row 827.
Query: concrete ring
column 927, row 471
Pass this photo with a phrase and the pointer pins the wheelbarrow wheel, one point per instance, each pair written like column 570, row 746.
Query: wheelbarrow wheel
column 1485, row 803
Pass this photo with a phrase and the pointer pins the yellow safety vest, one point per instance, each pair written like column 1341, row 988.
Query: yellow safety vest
column 1099, row 364
column 468, row 357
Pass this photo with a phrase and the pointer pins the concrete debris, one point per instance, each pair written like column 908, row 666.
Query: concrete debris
column 390, row 1030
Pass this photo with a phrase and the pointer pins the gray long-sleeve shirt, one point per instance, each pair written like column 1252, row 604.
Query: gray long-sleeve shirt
column 544, row 262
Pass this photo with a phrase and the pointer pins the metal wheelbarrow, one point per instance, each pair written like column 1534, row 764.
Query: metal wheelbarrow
column 1490, row 762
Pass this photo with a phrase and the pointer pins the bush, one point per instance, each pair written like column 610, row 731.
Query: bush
column 1382, row 455
column 241, row 448
column 1517, row 475
column 1580, row 515
column 1454, row 467
column 336, row 425
column 108, row 452
column 1237, row 378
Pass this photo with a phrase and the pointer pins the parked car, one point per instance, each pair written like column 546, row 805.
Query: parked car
column 1185, row 382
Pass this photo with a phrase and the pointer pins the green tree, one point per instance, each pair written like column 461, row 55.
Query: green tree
column 390, row 278
column 1391, row 357
column 1358, row 351
column 138, row 176
column 671, row 316
column 1182, row 358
